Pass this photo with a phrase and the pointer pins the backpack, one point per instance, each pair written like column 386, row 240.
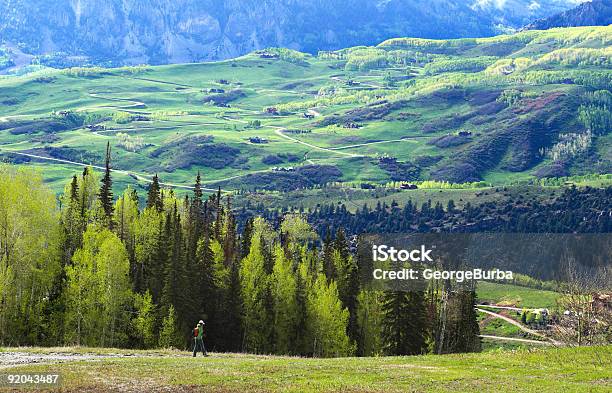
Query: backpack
column 195, row 331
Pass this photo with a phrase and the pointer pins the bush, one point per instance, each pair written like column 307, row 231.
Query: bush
column 144, row 323
column 169, row 336
column 271, row 159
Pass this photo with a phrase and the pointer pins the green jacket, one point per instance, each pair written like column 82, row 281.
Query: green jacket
column 200, row 331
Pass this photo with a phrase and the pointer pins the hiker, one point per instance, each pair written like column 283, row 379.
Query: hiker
column 198, row 337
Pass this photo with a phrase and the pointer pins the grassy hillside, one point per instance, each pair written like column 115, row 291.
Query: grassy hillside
column 542, row 370
column 501, row 110
column 517, row 296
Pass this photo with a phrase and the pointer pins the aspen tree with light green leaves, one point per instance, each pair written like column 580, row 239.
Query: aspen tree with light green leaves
column 286, row 310
column 257, row 322
column 29, row 252
column 327, row 321
column 98, row 290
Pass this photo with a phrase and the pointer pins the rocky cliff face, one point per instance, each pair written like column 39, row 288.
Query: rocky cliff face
column 171, row 31
column 593, row 13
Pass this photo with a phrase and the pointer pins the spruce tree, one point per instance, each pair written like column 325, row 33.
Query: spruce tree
column 158, row 259
column 404, row 323
column 233, row 310
column 341, row 244
column 175, row 291
column 195, row 226
column 348, row 289
column 461, row 326
column 106, row 189
column 197, row 195
column 219, row 216
column 230, row 236
column 329, row 268
column 204, row 288
column 247, row 233
column 74, row 189
column 154, row 197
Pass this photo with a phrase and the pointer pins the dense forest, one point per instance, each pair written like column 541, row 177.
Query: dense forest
column 97, row 270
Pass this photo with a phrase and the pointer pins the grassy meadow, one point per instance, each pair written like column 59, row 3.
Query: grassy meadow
column 522, row 370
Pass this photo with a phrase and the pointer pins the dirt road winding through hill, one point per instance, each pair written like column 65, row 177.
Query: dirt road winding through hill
column 279, row 131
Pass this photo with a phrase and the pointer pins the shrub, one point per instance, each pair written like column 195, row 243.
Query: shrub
column 271, row 159
column 169, row 336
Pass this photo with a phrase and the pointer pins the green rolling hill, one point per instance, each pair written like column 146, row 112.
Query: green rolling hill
column 500, row 110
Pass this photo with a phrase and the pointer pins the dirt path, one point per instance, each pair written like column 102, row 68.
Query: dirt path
column 505, row 307
column 522, row 340
column 279, row 131
column 126, row 108
column 378, row 142
column 14, row 359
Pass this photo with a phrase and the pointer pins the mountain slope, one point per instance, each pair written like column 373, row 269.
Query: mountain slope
column 593, row 13
column 161, row 31
column 502, row 109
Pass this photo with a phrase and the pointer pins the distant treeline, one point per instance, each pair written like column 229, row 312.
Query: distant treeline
column 575, row 210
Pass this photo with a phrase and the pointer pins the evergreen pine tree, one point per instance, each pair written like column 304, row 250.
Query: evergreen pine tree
column 154, row 197
column 348, row 289
column 233, row 310
column 175, row 290
column 329, row 267
column 230, row 236
column 247, row 233
column 204, row 287
column 404, row 323
column 106, row 189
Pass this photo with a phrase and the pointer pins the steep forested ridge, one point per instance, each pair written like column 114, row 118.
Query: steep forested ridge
column 162, row 31
column 591, row 13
